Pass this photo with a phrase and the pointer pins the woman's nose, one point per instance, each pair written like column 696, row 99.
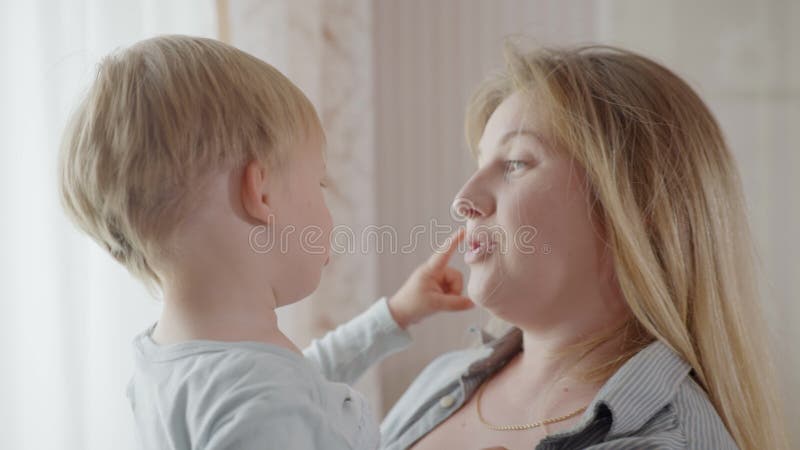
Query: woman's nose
column 464, row 208
column 472, row 202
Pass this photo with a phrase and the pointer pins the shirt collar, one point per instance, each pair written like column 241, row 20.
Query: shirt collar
column 502, row 350
column 633, row 395
column 644, row 385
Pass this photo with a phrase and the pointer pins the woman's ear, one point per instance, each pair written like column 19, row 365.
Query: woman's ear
column 256, row 193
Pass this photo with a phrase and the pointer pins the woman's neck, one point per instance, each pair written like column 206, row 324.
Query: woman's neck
column 544, row 361
column 548, row 341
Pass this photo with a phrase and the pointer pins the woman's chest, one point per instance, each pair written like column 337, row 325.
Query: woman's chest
column 463, row 430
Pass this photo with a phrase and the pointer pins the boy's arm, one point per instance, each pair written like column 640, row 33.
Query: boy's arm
column 345, row 353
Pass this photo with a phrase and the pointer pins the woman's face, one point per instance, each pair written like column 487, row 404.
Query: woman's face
column 534, row 252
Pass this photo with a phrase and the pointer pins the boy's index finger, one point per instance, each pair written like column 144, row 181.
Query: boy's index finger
column 441, row 257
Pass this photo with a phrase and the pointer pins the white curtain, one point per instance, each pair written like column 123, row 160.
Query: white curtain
column 67, row 310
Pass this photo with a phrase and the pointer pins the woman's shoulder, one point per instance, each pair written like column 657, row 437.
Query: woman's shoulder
column 656, row 403
column 688, row 421
column 698, row 419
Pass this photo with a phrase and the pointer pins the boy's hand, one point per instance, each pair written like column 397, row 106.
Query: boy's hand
column 431, row 288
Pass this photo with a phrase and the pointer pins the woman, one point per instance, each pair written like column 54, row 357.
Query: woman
column 635, row 317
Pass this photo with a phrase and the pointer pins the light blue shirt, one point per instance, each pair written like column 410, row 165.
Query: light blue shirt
column 217, row 395
column 651, row 402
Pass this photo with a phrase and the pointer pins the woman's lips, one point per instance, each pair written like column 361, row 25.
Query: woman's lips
column 477, row 251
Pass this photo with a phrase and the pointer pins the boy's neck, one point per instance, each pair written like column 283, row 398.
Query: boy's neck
column 218, row 311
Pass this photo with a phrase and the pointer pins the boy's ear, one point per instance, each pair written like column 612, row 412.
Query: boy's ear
column 255, row 192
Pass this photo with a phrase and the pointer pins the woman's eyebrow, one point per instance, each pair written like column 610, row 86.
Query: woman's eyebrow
column 516, row 133
column 524, row 132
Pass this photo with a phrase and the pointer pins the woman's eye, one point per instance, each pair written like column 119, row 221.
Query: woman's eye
column 513, row 166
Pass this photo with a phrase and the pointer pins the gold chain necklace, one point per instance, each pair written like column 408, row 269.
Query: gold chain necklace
column 520, row 427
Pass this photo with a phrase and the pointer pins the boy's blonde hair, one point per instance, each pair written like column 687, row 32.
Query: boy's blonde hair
column 665, row 187
column 159, row 118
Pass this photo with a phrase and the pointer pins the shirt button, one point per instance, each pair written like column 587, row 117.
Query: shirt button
column 447, row 401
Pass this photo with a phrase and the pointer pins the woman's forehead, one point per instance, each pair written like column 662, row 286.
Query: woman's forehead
column 514, row 119
column 516, row 115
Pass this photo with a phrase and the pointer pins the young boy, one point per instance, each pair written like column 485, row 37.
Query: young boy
column 200, row 168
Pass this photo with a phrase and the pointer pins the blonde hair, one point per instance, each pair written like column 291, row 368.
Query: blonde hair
column 666, row 190
column 159, row 118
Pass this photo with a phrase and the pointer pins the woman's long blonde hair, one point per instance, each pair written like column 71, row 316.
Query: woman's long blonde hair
column 666, row 189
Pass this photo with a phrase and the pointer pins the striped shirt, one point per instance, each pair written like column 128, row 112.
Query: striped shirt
column 651, row 402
